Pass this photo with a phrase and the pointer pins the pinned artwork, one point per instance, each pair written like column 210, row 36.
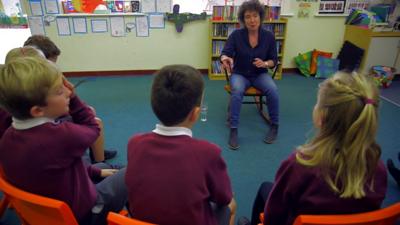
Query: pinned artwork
column 181, row 18
column 87, row 6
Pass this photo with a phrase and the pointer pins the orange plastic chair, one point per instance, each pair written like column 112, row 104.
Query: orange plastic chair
column 384, row 216
column 4, row 204
column 118, row 219
column 34, row 209
column 259, row 98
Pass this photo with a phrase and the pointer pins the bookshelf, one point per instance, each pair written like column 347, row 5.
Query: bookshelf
column 224, row 22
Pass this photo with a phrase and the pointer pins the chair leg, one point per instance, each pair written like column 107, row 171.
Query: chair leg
column 259, row 103
column 4, row 205
column 228, row 114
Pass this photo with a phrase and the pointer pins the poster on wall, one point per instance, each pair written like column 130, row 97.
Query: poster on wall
column 142, row 26
column 332, row 7
column 356, row 4
column 99, row 26
column 117, row 26
column 304, row 10
column 36, row 7
column 164, row 6
column 63, row 26
column 36, row 25
column 148, row 6
column 51, row 6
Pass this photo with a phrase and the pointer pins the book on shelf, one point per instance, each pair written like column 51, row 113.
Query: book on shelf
column 127, row 6
column 110, row 5
column 135, row 6
column 224, row 29
column 225, row 12
column 272, row 13
column 118, row 6
column 68, row 7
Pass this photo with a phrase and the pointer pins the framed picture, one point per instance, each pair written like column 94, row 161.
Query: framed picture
column 332, row 7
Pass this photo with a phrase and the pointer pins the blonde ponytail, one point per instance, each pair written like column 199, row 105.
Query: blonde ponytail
column 344, row 147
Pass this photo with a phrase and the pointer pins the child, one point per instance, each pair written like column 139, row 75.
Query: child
column 49, row 49
column 43, row 156
column 97, row 151
column 172, row 177
column 5, row 117
column 339, row 170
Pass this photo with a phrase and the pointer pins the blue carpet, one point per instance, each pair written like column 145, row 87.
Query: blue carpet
column 392, row 93
column 123, row 104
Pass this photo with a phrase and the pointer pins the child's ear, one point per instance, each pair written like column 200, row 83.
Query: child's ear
column 318, row 117
column 36, row 111
column 194, row 114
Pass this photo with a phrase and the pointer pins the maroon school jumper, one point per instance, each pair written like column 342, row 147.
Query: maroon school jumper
column 172, row 179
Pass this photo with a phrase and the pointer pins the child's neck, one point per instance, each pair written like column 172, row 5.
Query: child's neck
column 185, row 124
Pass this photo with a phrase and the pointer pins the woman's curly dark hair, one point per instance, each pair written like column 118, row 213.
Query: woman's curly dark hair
column 251, row 5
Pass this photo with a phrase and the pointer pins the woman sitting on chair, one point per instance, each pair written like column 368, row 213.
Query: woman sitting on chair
column 250, row 51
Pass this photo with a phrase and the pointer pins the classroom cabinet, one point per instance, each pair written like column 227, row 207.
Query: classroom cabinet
column 380, row 47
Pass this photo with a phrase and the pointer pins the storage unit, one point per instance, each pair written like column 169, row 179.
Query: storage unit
column 220, row 29
column 380, row 47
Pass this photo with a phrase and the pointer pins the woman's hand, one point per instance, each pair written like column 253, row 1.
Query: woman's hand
column 107, row 172
column 260, row 63
column 227, row 63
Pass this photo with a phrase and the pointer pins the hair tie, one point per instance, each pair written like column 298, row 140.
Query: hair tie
column 22, row 51
column 369, row 101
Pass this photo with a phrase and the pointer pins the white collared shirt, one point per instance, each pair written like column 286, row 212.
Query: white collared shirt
column 172, row 131
column 29, row 123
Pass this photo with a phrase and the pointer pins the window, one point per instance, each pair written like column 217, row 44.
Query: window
column 11, row 15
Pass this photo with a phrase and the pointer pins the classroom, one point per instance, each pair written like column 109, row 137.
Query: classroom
column 111, row 53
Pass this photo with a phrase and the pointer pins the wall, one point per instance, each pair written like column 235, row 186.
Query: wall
column 320, row 32
column 101, row 52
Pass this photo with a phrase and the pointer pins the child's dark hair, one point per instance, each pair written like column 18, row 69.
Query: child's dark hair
column 176, row 90
column 251, row 5
column 44, row 44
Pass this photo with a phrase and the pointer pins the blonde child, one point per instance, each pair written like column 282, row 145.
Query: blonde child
column 98, row 153
column 339, row 171
column 44, row 156
column 5, row 117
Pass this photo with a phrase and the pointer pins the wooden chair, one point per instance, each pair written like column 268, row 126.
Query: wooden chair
column 34, row 209
column 385, row 216
column 119, row 219
column 258, row 99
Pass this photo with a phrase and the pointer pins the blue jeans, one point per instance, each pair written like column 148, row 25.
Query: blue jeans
column 262, row 82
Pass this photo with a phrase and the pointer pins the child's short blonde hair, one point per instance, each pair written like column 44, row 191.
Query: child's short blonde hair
column 24, row 83
column 23, row 52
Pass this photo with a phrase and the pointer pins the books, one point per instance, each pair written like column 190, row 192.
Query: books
column 135, row 6
column 68, row 7
column 118, row 6
column 127, row 6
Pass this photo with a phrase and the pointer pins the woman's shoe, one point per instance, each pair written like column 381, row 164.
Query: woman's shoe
column 233, row 139
column 272, row 134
